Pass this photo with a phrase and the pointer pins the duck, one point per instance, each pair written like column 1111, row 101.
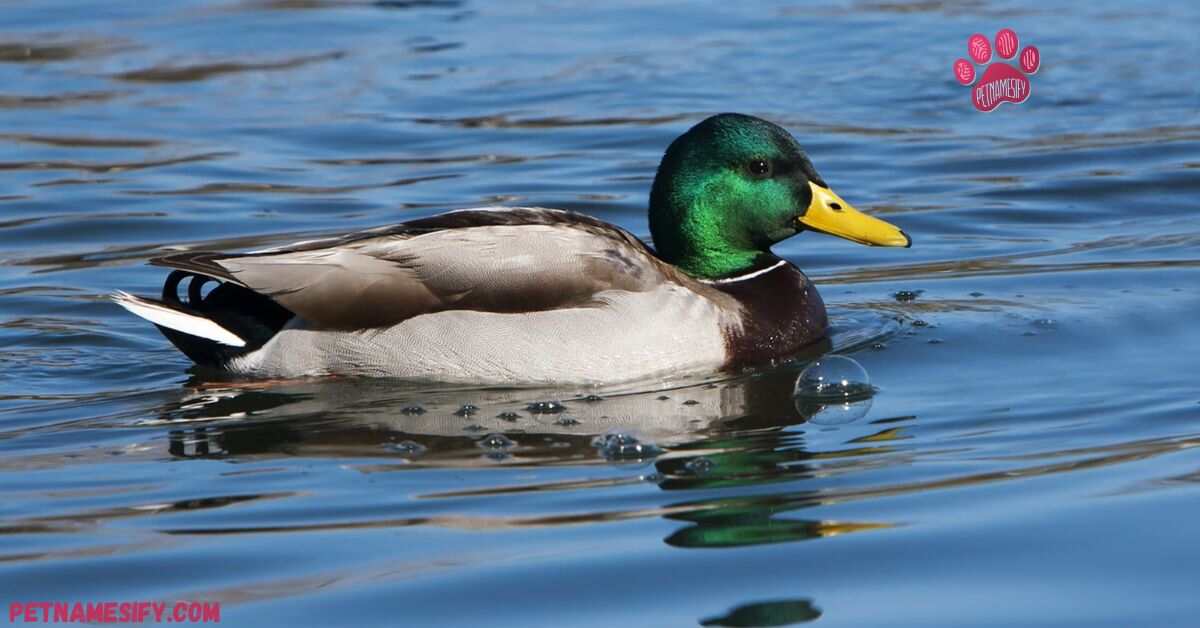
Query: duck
column 531, row 295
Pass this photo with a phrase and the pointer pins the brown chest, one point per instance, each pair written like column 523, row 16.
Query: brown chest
column 782, row 313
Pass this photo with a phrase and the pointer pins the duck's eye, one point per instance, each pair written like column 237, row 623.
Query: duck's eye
column 760, row 168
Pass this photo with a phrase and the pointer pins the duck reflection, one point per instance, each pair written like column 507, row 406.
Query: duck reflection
column 450, row 426
column 691, row 438
column 772, row 613
column 694, row 441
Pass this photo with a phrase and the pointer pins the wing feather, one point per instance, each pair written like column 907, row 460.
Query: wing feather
column 513, row 260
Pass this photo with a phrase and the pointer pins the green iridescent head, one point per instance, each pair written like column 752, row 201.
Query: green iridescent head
column 734, row 185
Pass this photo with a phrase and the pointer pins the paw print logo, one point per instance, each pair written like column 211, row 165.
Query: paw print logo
column 1001, row 82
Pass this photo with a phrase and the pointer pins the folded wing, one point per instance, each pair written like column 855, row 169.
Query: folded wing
column 502, row 260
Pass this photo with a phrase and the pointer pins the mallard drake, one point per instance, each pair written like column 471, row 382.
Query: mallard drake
column 526, row 295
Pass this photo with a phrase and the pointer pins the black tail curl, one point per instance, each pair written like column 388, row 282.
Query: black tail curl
column 253, row 317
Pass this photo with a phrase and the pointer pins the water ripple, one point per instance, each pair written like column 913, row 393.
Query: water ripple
column 203, row 71
column 107, row 167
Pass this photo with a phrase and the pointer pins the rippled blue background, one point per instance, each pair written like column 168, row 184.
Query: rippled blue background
column 1027, row 461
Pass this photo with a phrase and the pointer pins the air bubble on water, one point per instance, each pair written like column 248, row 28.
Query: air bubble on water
column 833, row 413
column 545, row 407
column 405, row 448
column 834, row 390
column 624, row 446
column 834, row 378
column 467, row 409
column 699, row 466
column 496, row 442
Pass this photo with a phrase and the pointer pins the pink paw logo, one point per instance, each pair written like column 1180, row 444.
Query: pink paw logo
column 1001, row 82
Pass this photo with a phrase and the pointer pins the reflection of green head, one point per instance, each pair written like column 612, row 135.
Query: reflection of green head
column 773, row 613
column 740, row 533
column 726, row 190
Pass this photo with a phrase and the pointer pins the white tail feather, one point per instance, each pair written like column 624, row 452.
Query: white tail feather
column 174, row 319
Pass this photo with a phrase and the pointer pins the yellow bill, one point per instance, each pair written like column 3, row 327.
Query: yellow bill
column 828, row 213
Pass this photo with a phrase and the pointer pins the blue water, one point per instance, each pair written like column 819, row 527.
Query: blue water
column 1028, row 459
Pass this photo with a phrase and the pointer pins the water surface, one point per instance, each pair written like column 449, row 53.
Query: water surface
column 1028, row 457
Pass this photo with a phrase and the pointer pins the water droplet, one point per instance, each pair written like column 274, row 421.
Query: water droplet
column 466, row 410
column 406, row 448
column 920, row 323
column 691, row 402
column 904, row 296
column 566, row 421
column 624, row 446
column 834, row 378
column 879, row 346
column 508, row 416
column 699, row 466
column 412, row 410
column 663, row 397
column 976, row 294
column 545, row 407
column 593, row 398
column 496, row 442
column 474, row 427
